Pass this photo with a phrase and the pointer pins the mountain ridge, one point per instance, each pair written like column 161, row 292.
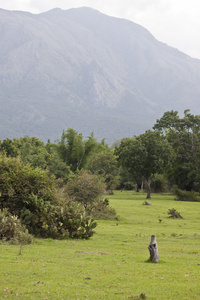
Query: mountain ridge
column 82, row 69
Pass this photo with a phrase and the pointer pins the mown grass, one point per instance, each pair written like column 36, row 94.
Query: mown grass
column 113, row 263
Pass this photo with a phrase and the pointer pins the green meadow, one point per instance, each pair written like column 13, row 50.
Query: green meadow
column 113, row 264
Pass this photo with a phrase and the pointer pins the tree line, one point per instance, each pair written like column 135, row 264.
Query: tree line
column 170, row 150
column 161, row 158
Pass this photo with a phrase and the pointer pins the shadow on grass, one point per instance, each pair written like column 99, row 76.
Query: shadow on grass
column 151, row 262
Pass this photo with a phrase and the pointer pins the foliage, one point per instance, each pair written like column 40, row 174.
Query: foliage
column 86, row 189
column 73, row 220
column 103, row 211
column 73, row 150
column 183, row 134
column 173, row 213
column 191, row 196
column 11, row 229
column 56, row 165
column 144, row 156
column 126, row 180
column 9, row 147
column 34, row 152
column 31, row 150
column 30, row 194
column 104, row 164
column 20, row 182
column 159, row 184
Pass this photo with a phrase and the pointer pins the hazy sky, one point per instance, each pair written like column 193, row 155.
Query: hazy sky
column 174, row 22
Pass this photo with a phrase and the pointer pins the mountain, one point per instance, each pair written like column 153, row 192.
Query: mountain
column 82, row 69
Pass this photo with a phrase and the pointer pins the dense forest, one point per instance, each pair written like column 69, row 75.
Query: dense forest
column 58, row 189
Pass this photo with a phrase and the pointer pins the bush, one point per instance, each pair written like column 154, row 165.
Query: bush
column 186, row 195
column 19, row 183
column 86, row 189
column 11, row 229
column 29, row 194
column 26, row 192
column 173, row 213
column 102, row 211
column 72, row 219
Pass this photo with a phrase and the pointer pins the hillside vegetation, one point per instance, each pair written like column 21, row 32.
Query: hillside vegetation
column 57, row 190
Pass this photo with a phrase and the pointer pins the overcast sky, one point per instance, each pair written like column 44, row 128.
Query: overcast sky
column 174, row 22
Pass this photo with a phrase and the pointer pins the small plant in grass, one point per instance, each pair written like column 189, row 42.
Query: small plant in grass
column 12, row 231
column 173, row 213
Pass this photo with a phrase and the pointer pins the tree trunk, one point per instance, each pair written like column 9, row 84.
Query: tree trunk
column 153, row 249
column 148, row 183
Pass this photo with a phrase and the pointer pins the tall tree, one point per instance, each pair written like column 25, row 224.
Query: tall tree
column 144, row 156
column 75, row 151
column 184, row 136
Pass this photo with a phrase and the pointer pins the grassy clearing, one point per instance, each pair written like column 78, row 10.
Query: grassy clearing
column 113, row 263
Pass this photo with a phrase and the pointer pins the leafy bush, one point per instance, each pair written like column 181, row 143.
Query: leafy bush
column 26, row 192
column 19, row 183
column 102, row 211
column 11, row 229
column 86, row 189
column 30, row 195
column 173, row 213
column 186, row 195
column 73, row 220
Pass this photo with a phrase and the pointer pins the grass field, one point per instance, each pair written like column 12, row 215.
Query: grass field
column 113, row 263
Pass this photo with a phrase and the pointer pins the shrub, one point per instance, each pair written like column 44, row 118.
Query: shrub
column 86, row 189
column 72, row 218
column 173, row 213
column 30, row 195
column 26, row 192
column 186, row 195
column 19, row 182
column 11, row 229
column 102, row 211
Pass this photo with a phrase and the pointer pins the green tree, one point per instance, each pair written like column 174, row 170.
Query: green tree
column 31, row 150
column 144, row 156
column 56, row 165
column 71, row 149
column 105, row 165
column 75, row 151
column 9, row 148
column 183, row 134
column 37, row 154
